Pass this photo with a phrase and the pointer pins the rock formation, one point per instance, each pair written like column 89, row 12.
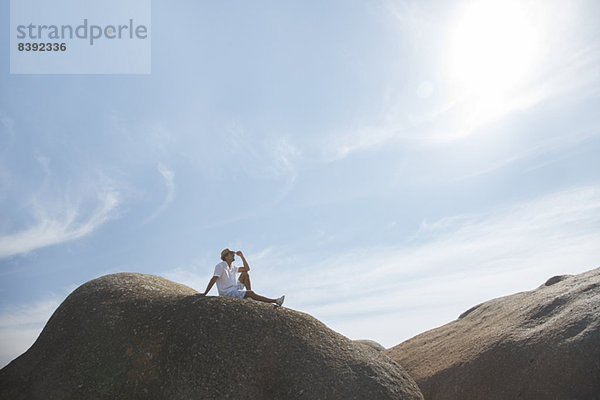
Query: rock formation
column 542, row 344
column 371, row 343
column 134, row 336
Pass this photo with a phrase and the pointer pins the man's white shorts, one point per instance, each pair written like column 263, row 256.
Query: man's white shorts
column 237, row 292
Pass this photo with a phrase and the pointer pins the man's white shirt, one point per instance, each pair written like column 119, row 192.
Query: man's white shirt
column 227, row 276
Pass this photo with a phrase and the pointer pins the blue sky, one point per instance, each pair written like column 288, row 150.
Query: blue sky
column 385, row 164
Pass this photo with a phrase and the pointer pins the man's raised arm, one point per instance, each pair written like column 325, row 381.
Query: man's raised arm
column 246, row 267
column 213, row 280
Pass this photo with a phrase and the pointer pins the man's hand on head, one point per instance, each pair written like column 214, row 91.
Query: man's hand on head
column 239, row 253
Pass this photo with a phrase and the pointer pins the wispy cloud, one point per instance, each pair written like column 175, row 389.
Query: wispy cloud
column 169, row 179
column 565, row 67
column 52, row 227
column 168, row 176
column 552, row 148
column 395, row 292
column 8, row 125
column 264, row 155
column 573, row 76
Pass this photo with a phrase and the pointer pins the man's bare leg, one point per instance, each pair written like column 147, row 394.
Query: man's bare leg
column 245, row 279
column 250, row 294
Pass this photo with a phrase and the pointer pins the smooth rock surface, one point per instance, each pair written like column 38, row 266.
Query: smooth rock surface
column 541, row 344
column 134, row 336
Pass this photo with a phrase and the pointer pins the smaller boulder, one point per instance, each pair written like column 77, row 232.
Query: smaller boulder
column 541, row 344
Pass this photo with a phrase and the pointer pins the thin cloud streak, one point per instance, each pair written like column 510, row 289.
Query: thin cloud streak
column 168, row 176
column 51, row 230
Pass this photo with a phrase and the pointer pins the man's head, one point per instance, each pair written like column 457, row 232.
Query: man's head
column 227, row 254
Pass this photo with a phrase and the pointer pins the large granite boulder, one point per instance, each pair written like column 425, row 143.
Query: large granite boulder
column 134, row 336
column 542, row 344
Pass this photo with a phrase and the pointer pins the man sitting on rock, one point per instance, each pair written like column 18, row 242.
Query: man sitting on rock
column 227, row 284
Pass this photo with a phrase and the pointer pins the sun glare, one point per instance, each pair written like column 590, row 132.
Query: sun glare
column 493, row 47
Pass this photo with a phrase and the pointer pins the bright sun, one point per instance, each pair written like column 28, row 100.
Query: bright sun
column 493, row 48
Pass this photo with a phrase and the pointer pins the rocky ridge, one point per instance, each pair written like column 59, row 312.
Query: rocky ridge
column 134, row 336
column 541, row 344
